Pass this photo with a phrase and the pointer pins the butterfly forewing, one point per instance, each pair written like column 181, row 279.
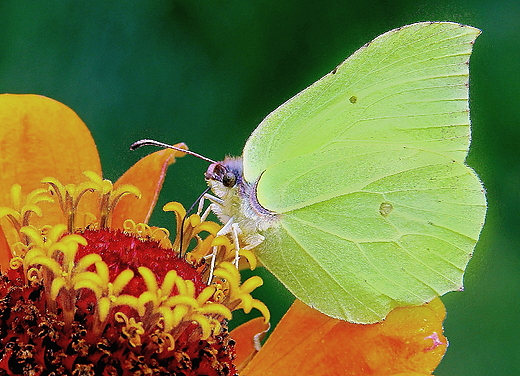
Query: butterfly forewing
column 400, row 88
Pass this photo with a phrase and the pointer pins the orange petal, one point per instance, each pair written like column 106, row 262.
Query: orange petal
column 40, row 137
column 307, row 342
column 147, row 175
column 244, row 336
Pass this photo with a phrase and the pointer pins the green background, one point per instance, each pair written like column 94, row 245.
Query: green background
column 206, row 72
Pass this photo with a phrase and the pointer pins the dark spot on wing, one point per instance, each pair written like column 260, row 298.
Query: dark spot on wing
column 385, row 209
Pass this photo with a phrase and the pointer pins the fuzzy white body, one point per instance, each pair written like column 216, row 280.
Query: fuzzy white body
column 239, row 203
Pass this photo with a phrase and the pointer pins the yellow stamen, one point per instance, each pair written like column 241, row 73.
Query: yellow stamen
column 175, row 316
column 132, row 329
column 149, row 279
column 103, row 307
column 88, row 260
column 143, row 231
column 249, row 256
column 19, row 214
column 204, row 324
column 187, row 301
column 56, row 287
column 69, row 196
column 239, row 295
column 250, row 284
column 121, row 281
column 162, row 339
column 206, row 294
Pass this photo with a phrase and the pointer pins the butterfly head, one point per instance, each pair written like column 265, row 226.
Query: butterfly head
column 225, row 176
column 238, row 196
column 227, row 184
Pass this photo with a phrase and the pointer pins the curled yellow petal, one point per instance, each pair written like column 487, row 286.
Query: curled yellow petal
column 56, row 286
column 149, row 278
column 121, row 281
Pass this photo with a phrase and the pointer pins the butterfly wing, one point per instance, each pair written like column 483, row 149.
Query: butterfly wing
column 366, row 168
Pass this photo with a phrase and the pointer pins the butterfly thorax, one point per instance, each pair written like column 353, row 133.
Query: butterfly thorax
column 238, row 197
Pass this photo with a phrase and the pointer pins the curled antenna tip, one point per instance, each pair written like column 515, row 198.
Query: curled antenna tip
column 140, row 143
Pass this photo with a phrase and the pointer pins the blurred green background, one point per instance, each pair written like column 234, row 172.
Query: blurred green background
column 206, row 72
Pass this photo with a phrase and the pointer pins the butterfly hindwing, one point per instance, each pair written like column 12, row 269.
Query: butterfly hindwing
column 368, row 251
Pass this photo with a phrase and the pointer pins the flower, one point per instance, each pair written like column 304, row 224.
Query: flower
column 88, row 288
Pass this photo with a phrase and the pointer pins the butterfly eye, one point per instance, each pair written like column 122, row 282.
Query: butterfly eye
column 229, row 179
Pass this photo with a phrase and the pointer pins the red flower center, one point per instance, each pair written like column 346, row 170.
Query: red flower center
column 122, row 251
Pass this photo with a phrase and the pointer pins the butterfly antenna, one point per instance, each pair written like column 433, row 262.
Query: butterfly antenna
column 186, row 216
column 140, row 143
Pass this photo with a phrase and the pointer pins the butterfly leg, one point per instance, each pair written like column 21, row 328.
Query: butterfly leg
column 212, row 264
column 234, row 229
column 213, row 200
column 226, row 229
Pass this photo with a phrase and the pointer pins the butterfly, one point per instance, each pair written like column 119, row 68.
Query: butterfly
column 354, row 193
